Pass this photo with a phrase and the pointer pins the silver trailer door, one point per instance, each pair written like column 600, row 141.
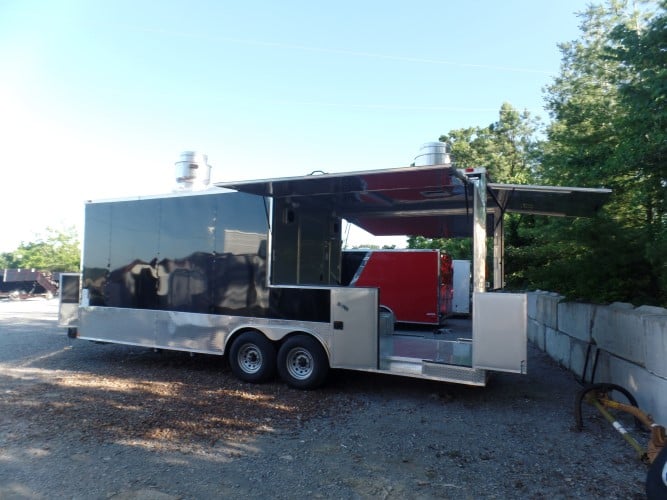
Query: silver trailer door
column 499, row 332
column 354, row 338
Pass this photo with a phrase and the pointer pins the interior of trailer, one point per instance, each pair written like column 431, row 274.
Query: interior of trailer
column 437, row 201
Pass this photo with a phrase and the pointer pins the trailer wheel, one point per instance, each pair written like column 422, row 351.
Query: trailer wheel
column 302, row 362
column 252, row 357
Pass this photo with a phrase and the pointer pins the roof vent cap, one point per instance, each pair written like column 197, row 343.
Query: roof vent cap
column 433, row 153
column 192, row 171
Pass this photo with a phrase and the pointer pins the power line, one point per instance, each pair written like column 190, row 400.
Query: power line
column 329, row 50
column 392, row 107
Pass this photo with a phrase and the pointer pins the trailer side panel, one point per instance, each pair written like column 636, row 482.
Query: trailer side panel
column 204, row 254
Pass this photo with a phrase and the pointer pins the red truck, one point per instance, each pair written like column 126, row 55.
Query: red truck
column 416, row 285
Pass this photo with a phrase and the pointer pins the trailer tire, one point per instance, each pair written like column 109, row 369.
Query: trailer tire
column 252, row 357
column 302, row 362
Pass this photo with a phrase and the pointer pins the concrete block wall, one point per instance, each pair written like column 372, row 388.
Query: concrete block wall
column 632, row 344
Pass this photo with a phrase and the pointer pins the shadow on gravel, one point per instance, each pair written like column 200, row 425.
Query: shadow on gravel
column 139, row 397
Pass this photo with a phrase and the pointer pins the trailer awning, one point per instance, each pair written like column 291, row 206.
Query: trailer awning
column 548, row 200
column 433, row 201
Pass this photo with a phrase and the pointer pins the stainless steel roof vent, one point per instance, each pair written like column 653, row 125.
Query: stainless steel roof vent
column 433, row 153
column 192, row 171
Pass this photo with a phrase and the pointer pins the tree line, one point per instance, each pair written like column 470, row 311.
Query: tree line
column 56, row 250
column 607, row 128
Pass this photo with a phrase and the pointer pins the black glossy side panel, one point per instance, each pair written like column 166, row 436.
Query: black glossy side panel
column 185, row 253
column 303, row 304
column 202, row 254
column 97, row 236
column 133, row 241
column 240, row 265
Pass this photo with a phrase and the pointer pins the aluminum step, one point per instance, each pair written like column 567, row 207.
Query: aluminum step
column 418, row 368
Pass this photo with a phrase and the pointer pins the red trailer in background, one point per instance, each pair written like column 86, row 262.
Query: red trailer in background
column 416, row 285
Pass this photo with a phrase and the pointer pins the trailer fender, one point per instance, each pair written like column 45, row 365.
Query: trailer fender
column 253, row 356
column 275, row 333
column 307, row 333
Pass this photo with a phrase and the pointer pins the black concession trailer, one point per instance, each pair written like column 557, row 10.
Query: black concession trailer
column 252, row 270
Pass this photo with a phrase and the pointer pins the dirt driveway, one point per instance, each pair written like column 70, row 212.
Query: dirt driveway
column 84, row 420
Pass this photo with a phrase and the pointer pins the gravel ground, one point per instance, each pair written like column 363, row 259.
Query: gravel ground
column 86, row 421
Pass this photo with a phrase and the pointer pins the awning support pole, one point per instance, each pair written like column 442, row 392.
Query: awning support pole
column 478, row 182
column 498, row 250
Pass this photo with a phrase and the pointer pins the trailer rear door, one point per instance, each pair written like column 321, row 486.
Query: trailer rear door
column 499, row 333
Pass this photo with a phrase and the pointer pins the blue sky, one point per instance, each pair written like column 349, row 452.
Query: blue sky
column 98, row 99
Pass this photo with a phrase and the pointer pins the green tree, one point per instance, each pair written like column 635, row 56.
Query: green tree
column 6, row 260
column 608, row 130
column 643, row 125
column 456, row 248
column 57, row 250
column 508, row 148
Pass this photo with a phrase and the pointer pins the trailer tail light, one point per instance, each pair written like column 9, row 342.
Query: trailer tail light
column 446, row 269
